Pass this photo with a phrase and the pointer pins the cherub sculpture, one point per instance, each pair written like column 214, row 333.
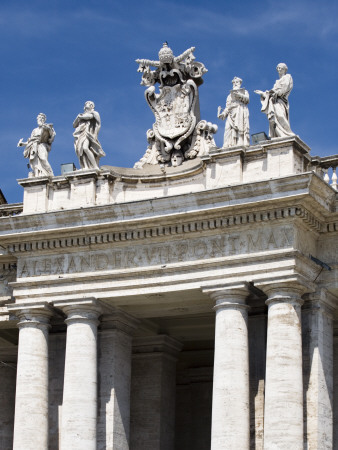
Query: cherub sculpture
column 38, row 147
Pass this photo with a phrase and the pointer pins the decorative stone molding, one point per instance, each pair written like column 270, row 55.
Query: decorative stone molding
column 11, row 210
column 177, row 229
column 330, row 227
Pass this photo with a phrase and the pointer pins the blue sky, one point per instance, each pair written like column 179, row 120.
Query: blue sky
column 57, row 54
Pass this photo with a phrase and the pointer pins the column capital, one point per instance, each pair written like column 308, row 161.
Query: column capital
column 229, row 296
column 35, row 314
column 119, row 320
column 288, row 289
column 80, row 310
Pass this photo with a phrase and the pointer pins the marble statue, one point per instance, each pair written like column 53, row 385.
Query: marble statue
column 38, row 146
column 87, row 146
column 236, row 114
column 275, row 104
column 175, row 107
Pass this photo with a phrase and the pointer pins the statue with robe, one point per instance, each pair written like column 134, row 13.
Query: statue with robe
column 87, row 146
column 38, row 147
column 236, row 114
column 275, row 104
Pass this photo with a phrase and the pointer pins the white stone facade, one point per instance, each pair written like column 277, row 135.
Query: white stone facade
column 186, row 308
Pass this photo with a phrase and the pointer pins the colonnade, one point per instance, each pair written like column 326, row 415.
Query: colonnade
column 80, row 416
column 288, row 405
column 83, row 418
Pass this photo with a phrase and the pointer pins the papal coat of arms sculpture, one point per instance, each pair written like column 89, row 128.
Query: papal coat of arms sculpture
column 178, row 134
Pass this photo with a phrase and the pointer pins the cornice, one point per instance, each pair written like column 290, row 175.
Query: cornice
column 29, row 243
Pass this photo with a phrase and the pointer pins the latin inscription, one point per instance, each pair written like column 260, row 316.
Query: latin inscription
column 159, row 254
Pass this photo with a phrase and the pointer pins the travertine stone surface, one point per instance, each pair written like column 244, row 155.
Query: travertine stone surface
column 114, row 365
column 153, row 393
column 318, row 372
column 220, row 168
column 230, row 414
column 283, row 415
column 79, row 407
column 7, row 402
column 31, row 402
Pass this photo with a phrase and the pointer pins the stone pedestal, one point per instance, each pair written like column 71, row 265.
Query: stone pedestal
column 230, row 427
column 31, row 402
column 79, row 407
column 283, row 416
column 318, row 371
column 153, row 393
column 115, row 340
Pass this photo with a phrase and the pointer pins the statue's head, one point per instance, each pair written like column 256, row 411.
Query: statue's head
column 237, row 82
column 176, row 158
column 166, row 55
column 41, row 118
column 282, row 68
column 89, row 106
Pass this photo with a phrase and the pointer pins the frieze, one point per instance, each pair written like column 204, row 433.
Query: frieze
column 197, row 249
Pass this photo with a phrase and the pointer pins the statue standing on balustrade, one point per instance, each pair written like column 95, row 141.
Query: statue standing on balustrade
column 38, row 147
column 275, row 104
column 177, row 134
column 236, row 114
column 87, row 146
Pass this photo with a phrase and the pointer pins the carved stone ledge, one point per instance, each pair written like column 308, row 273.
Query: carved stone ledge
column 177, row 229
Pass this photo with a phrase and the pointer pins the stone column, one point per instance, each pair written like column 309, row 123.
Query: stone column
column 57, row 350
column 257, row 364
column 283, row 415
column 115, row 341
column 318, row 370
column 7, row 402
column 79, row 406
column 31, row 401
column 230, row 427
column 153, row 389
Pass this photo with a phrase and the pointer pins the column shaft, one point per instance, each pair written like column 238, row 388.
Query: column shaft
column 318, row 375
column 31, row 402
column 114, row 381
column 153, row 393
column 283, row 416
column 7, row 402
column 230, row 403
column 79, row 407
